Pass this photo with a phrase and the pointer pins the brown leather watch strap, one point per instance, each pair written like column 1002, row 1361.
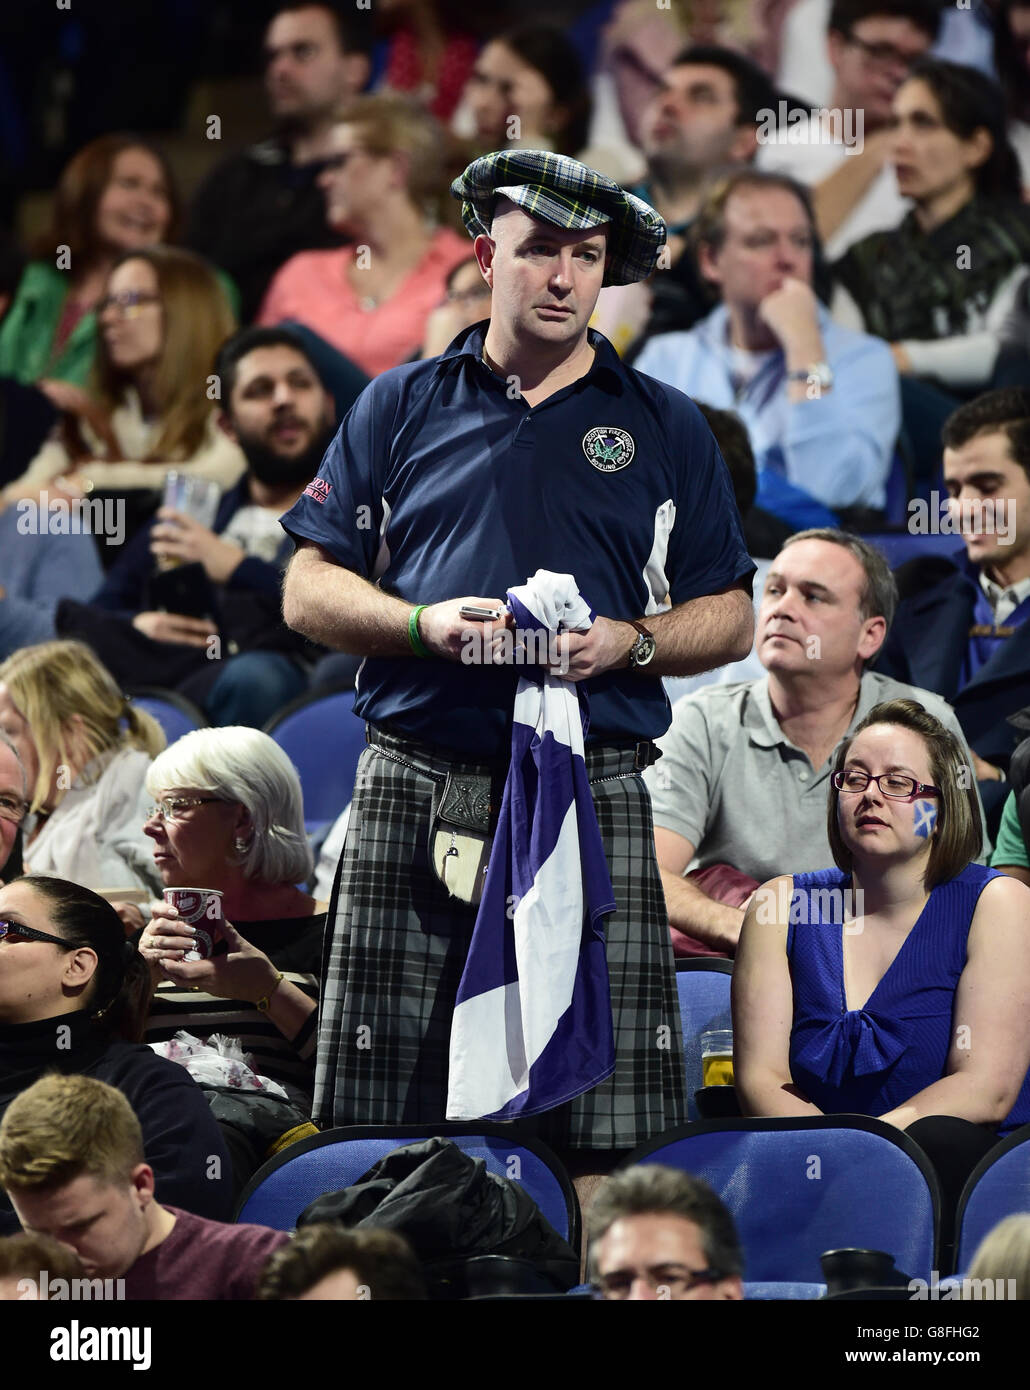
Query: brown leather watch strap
column 644, row 632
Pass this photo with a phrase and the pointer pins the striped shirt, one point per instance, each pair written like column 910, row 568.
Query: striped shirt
column 294, row 946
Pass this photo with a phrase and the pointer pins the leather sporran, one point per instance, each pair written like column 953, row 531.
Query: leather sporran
column 461, row 834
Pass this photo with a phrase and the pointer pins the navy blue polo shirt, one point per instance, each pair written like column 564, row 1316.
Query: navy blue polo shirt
column 442, row 481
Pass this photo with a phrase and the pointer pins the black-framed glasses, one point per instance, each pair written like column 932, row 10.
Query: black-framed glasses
column 672, row 1281
column 18, row 931
column 127, row 302
column 894, row 785
column 13, row 808
column 884, row 55
column 173, row 808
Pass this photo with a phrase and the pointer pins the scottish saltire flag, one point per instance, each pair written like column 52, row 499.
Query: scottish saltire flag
column 533, row 1020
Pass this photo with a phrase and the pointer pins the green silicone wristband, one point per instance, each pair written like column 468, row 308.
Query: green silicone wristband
column 417, row 645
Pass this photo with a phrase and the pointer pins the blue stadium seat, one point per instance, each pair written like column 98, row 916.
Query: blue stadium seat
column 323, row 738
column 703, row 986
column 998, row 1186
column 281, row 1188
column 175, row 714
column 799, row 1187
column 899, row 546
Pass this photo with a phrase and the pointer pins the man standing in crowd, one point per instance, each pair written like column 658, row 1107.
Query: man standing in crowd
column 527, row 445
column 258, row 208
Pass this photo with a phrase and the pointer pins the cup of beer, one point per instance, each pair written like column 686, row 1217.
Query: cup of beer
column 717, row 1057
column 200, row 908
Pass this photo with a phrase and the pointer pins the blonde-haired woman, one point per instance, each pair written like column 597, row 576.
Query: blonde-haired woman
column 161, row 320
column 371, row 298
column 1003, row 1254
column 86, row 752
column 229, row 815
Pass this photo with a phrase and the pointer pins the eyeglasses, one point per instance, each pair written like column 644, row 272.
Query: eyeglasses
column 677, row 1280
column 128, row 302
column 13, row 808
column 891, row 784
column 883, row 55
column 173, row 808
column 17, row 931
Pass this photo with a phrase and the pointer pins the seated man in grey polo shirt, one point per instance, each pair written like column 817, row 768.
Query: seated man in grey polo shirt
column 745, row 771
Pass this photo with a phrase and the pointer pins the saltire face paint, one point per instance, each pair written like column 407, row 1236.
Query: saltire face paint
column 925, row 819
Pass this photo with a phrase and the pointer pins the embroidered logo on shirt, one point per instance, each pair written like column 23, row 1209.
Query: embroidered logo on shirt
column 318, row 489
column 609, row 448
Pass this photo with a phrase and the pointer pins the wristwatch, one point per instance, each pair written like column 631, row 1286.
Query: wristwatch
column 644, row 648
column 819, row 372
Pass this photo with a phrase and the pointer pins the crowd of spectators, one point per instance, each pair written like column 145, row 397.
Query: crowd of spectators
column 844, row 291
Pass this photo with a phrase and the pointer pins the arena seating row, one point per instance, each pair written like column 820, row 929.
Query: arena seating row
column 842, row 1181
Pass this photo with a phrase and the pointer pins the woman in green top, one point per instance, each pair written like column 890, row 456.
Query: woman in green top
column 115, row 195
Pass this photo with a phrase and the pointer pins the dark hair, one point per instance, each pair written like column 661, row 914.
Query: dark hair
column 753, row 89
column 354, row 32
column 1006, row 411
column 554, row 56
column 879, row 598
column 709, row 226
column 924, row 14
column 969, row 101
column 381, row 1260
column 120, row 995
column 247, row 340
column 651, row 1188
column 958, row 837
column 1009, row 59
column 79, row 191
column 735, row 446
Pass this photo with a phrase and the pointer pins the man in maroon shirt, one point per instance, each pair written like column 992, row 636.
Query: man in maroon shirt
column 71, row 1161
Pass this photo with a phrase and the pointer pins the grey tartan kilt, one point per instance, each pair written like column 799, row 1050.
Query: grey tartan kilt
column 395, row 946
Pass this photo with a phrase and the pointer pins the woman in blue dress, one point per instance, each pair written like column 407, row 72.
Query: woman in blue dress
column 897, row 984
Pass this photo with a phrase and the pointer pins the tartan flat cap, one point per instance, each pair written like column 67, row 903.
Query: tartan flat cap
column 566, row 194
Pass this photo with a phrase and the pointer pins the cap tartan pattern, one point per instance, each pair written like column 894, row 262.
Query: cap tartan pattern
column 566, row 194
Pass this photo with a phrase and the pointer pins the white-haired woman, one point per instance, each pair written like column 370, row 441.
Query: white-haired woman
column 229, row 815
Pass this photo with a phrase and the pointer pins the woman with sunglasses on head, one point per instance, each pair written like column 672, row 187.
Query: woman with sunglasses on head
column 897, row 984
column 370, row 299
column 73, row 998
column 229, row 816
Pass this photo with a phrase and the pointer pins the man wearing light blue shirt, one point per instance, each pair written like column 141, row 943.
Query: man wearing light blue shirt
column 821, row 403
